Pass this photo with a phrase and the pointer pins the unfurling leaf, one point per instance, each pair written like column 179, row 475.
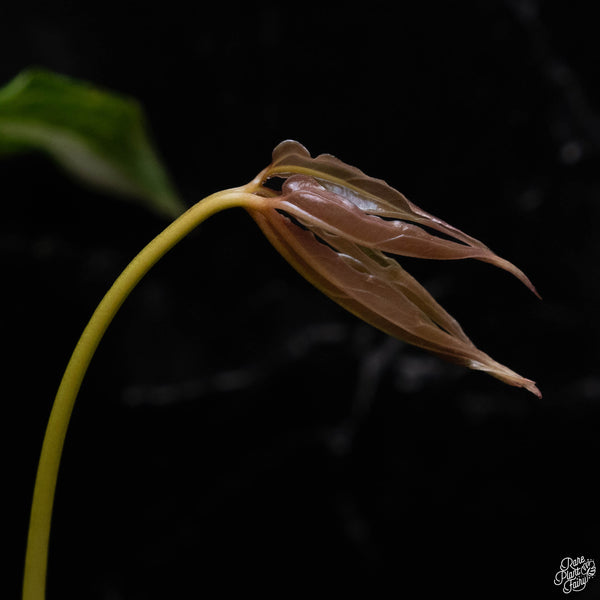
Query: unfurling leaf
column 375, row 197
column 334, row 224
column 98, row 136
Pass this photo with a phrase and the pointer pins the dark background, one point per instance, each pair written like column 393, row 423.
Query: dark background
column 238, row 431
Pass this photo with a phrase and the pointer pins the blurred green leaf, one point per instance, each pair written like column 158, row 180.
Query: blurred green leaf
column 98, row 136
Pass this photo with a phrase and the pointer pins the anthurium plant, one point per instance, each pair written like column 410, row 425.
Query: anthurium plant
column 333, row 223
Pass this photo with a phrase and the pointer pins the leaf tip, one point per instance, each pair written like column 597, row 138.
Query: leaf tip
column 504, row 374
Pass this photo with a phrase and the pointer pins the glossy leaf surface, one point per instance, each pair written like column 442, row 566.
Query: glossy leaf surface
column 375, row 197
column 332, row 231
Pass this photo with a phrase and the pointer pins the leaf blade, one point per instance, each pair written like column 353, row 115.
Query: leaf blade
column 100, row 137
column 375, row 197
column 377, row 290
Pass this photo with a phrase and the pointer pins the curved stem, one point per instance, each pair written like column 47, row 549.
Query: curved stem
column 36, row 558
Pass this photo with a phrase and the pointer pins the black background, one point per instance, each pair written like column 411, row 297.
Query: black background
column 239, row 432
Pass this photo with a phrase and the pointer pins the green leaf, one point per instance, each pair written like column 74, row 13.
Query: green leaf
column 98, row 136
